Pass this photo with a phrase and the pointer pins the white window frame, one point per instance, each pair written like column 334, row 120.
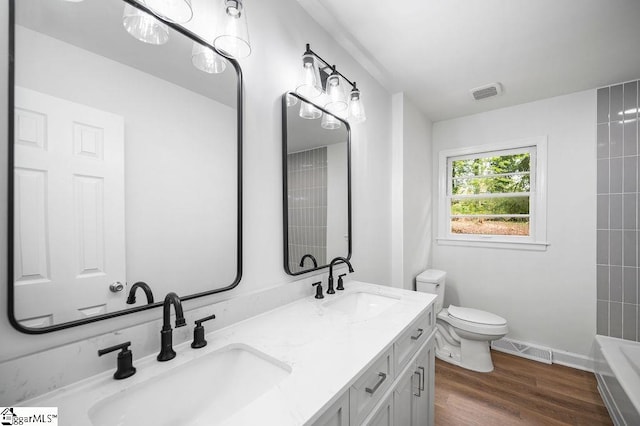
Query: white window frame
column 537, row 238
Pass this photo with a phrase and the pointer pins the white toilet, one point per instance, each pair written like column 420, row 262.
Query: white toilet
column 462, row 334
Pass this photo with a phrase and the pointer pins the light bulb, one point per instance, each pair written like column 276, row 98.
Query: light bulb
column 233, row 33
column 337, row 99
column 330, row 122
column 309, row 85
column 143, row 26
column 291, row 100
column 309, row 111
column 356, row 107
column 205, row 59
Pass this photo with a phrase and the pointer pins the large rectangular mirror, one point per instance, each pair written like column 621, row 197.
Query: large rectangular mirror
column 125, row 163
column 316, row 161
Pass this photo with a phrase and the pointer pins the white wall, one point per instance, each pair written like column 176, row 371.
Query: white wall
column 547, row 297
column 279, row 30
column 411, row 193
column 337, row 206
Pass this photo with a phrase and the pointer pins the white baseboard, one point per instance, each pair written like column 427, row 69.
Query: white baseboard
column 570, row 359
column 544, row 355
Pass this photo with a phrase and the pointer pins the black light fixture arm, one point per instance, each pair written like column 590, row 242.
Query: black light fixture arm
column 333, row 67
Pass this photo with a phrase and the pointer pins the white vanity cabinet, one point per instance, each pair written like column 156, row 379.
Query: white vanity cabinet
column 398, row 387
column 337, row 414
column 413, row 394
column 362, row 357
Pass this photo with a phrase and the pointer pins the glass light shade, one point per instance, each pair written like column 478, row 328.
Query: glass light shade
column 310, row 84
column 233, row 34
column 291, row 100
column 308, row 111
column 205, row 59
column 337, row 98
column 330, row 122
column 143, row 26
column 356, row 107
column 178, row 11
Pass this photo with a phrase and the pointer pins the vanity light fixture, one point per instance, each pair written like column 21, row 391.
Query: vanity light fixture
column 291, row 100
column 308, row 111
column 356, row 107
column 205, row 59
column 336, row 99
column 178, row 11
column 232, row 37
column 330, row 122
column 144, row 26
column 310, row 85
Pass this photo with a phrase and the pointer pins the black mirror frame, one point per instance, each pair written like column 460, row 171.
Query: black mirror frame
column 285, row 203
column 10, row 214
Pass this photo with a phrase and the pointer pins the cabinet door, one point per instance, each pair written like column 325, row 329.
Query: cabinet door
column 337, row 414
column 383, row 415
column 424, row 397
column 404, row 398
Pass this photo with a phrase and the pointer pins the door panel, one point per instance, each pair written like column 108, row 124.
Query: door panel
column 69, row 240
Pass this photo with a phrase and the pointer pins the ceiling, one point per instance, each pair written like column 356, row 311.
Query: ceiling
column 96, row 26
column 304, row 134
column 437, row 50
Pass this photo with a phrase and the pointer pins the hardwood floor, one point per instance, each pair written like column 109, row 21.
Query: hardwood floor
column 517, row 392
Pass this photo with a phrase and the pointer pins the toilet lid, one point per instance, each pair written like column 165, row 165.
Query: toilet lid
column 476, row 315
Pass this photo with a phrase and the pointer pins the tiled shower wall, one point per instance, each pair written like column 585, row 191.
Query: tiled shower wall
column 307, row 181
column 618, row 219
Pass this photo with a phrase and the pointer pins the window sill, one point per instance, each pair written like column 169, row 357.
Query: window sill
column 496, row 244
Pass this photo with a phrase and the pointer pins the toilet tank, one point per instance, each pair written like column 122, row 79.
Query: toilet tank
column 432, row 281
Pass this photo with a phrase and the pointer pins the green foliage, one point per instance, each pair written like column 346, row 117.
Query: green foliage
column 478, row 176
column 503, row 205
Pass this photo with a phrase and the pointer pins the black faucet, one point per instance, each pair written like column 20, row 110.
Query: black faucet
column 310, row 256
column 125, row 360
column 318, row 287
column 340, row 282
column 166, row 335
column 198, row 333
column 147, row 291
column 330, row 289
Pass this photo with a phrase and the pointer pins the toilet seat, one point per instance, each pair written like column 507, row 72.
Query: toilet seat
column 475, row 315
column 474, row 321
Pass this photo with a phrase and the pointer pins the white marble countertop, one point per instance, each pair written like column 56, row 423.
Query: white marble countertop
column 325, row 350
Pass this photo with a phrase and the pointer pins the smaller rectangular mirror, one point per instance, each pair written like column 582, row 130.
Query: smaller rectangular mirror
column 316, row 163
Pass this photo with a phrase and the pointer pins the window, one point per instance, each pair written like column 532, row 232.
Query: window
column 494, row 196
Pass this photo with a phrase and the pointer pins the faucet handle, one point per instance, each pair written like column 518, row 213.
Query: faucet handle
column 340, row 282
column 198, row 333
column 125, row 360
column 319, row 294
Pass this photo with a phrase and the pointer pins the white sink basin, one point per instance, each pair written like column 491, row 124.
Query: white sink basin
column 204, row 391
column 362, row 305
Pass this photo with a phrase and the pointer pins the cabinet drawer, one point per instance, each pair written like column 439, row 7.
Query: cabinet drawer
column 368, row 389
column 408, row 343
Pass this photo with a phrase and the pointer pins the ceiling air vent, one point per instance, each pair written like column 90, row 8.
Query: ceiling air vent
column 488, row 91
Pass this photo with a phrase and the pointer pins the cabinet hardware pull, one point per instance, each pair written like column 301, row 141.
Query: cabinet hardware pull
column 382, row 377
column 419, row 390
column 421, row 387
column 417, row 336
